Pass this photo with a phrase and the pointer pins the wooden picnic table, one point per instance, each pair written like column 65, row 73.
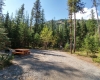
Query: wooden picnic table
column 21, row 51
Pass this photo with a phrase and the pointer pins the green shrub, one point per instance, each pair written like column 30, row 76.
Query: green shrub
column 5, row 60
column 66, row 47
column 91, row 44
column 93, row 56
column 96, row 60
column 99, row 50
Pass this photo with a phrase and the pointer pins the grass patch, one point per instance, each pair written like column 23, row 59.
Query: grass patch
column 98, row 54
column 96, row 60
column 95, row 57
column 82, row 53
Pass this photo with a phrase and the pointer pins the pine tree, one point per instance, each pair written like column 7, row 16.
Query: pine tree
column 83, row 30
column 42, row 19
column 76, row 7
column 62, row 35
column 6, row 23
column 21, row 12
column 18, row 28
column 37, row 15
column 52, row 26
column 32, row 18
column 70, row 22
column 67, row 31
column 78, row 35
column 91, row 24
column 4, row 40
column 95, row 4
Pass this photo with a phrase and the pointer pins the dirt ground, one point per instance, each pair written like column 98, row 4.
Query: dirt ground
column 50, row 65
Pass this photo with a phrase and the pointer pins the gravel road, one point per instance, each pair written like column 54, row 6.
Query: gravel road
column 50, row 65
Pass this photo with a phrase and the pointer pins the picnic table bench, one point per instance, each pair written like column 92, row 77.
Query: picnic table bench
column 21, row 51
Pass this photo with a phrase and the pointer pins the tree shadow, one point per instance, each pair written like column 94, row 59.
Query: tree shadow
column 44, row 52
column 12, row 72
column 48, row 67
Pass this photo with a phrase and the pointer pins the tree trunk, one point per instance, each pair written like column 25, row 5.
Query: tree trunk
column 98, row 29
column 71, row 33
column 74, row 46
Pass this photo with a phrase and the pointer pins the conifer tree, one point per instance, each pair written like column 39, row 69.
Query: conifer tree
column 70, row 22
column 4, row 40
column 76, row 7
column 31, row 18
column 95, row 4
column 37, row 15
column 42, row 19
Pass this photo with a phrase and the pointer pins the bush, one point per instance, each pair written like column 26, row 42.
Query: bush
column 99, row 50
column 66, row 47
column 91, row 44
column 96, row 60
column 93, row 56
column 5, row 60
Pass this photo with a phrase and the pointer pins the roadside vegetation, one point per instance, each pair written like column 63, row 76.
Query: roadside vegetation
column 5, row 60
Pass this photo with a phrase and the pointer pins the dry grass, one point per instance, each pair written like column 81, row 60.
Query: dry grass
column 91, row 58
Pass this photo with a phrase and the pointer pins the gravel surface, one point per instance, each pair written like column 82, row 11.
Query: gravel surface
column 50, row 65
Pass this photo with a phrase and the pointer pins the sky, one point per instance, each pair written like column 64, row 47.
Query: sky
column 53, row 9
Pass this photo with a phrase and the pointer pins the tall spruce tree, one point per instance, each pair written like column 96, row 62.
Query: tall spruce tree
column 76, row 7
column 37, row 15
column 83, row 29
column 4, row 40
column 42, row 19
column 31, row 18
column 67, row 31
column 70, row 4
column 18, row 29
column 95, row 4
column 52, row 26
column 91, row 24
